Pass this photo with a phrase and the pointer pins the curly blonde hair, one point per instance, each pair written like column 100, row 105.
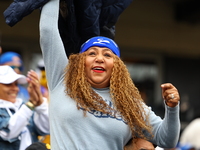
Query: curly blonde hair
column 125, row 96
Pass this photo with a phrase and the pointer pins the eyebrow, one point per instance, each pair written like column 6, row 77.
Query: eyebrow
column 105, row 48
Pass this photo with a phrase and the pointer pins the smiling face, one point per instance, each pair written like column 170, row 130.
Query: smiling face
column 98, row 66
column 9, row 92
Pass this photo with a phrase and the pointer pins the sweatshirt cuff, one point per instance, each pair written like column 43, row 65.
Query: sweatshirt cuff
column 172, row 109
column 43, row 106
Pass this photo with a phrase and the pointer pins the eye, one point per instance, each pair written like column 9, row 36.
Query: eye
column 91, row 53
column 107, row 54
column 8, row 84
column 16, row 83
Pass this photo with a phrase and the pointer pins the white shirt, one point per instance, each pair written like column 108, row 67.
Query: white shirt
column 20, row 119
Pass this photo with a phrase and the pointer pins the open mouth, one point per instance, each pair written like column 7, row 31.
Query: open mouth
column 98, row 69
column 13, row 94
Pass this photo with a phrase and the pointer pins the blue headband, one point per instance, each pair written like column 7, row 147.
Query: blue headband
column 101, row 41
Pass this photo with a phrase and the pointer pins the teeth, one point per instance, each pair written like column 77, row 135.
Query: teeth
column 13, row 94
column 98, row 68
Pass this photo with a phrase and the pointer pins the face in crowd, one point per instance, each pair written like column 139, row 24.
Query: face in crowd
column 15, row 64
column 13, row 60
column 98, row 66
column 9, row 80
column 9, row 91
column 99, row 60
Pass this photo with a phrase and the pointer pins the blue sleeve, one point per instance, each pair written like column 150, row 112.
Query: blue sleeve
column 4, row 119
column 20, row 8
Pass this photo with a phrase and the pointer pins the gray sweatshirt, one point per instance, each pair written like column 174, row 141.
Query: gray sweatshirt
column 69, row 129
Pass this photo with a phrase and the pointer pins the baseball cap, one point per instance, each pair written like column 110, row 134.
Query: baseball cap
column 38, row 146
column 9, row 57
column 8, row 75
column 101, row 41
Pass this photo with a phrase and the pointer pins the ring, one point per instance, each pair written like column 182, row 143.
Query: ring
column 172, row 96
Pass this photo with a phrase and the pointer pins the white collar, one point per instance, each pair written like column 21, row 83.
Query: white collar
column 7, row 104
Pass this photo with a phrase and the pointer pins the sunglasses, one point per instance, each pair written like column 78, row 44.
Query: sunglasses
column 16, row 67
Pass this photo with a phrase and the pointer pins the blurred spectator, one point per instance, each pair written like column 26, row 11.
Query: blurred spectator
column 190, row 136
column 39, row 146
column 44, row 90
column 42, row 78
column 14, row 61
column 139, row 144
column 21, row 123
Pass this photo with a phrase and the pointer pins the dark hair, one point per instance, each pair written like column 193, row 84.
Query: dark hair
column 38, row 146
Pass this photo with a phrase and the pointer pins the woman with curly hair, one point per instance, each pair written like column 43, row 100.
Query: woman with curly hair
column 94, row 103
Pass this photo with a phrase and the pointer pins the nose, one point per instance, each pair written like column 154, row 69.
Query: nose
column 99, row 58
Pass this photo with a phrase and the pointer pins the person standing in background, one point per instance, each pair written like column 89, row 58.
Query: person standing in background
column 190, row 136
column 14, row 60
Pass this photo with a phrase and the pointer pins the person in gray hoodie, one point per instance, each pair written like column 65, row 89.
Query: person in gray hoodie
column 93, row 102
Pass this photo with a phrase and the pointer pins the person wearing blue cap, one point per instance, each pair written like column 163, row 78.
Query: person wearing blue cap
column 101, row 41
column 14, row 60
column 94, row 103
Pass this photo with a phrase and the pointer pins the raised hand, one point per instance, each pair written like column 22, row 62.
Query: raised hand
column 170, row 94
column 34, row 88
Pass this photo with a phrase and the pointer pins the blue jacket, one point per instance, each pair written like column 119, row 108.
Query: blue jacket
column 89, row 18
column 18, row 9
column 8, row 143
column 84, row 19
column 14, row 143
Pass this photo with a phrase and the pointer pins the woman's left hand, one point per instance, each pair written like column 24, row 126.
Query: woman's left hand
column 34, row 88
column 170, row 94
